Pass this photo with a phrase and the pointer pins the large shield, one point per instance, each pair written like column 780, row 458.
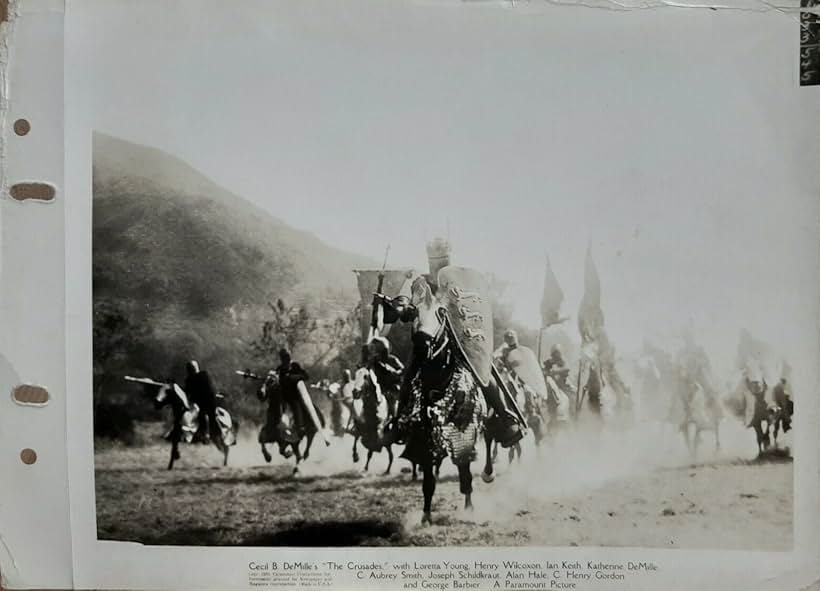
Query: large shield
column 523, row 361
column 464, row 292
column 396, row 282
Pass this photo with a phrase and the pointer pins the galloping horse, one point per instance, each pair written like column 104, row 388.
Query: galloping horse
column 447, row 407
column 371, row 414
column 186, row 417
column 694, row 408
column 280, row 426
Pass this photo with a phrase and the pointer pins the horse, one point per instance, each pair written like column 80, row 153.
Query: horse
column 697, row 412
column 341, row 399
column 781, row 410
column 185, row 422
column 280, row 427
column 371, row 416
column 447, row 407
column 532, row 416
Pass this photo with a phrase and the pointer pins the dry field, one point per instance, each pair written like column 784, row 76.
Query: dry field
column 614, row 489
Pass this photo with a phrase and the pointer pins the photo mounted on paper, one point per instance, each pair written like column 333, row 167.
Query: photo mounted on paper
column 352, row 299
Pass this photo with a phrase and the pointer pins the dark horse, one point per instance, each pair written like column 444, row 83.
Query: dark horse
column 371, row 414
column 280, row 427
column 186, row 417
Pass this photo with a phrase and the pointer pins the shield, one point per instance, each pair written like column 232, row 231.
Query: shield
column 396, row 282
column 465, row 294
column 523, row 361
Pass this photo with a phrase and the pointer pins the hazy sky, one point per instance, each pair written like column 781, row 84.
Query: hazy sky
column 676, row 140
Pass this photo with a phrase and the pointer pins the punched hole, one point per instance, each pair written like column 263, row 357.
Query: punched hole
column 28, row 456
column 22, row 127
column 32, row 191
column 29, row 395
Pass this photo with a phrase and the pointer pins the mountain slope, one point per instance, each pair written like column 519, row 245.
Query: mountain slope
column 191, row 267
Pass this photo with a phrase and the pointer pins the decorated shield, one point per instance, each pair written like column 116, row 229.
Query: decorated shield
column 523, row 361
column 464, row 292
column 396, row 282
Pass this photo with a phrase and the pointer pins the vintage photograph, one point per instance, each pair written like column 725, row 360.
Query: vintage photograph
column 363, row 293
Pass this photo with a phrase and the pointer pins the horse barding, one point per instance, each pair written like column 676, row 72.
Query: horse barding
column 451, row 375
column 544, row 408
column 695, row 407
column 186, row 418
column 758, row 406
column 282, row 426
column 371, row 413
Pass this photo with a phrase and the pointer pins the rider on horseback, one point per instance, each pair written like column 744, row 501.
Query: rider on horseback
column 400, row 308
column 200, row 390
column 290, row 374
column 556, row 367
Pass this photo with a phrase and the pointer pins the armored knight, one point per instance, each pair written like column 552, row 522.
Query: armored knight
column 401, row 308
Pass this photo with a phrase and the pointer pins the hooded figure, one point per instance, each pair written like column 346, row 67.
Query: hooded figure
column 200, row 390
column 290, row 374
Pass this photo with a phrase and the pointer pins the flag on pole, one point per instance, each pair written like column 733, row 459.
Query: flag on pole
column 590, row 314
column 551, row 299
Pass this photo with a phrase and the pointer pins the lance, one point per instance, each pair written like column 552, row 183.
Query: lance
column 146, row 381
column 248, row 374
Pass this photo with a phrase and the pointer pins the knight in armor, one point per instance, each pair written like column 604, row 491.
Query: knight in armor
column 290, row 374
column 556, row 367
column 201, row 391
column 510, row 343
column 400, row 308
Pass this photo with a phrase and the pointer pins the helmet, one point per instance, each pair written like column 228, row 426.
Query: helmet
column 192, row 367
column 510, row 337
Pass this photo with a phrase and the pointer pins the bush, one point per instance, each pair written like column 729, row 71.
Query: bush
column 115, row 422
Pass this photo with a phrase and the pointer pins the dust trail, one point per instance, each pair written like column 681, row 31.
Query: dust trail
column 586, row 460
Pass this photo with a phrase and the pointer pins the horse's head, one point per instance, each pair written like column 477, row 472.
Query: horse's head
column 422, row 298
column 172, row 394
column 269, row 387
column 365, row 384
column 163, row 396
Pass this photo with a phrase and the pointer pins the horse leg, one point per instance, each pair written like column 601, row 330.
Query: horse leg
column 511, row 455
column 465, row 485
column 308, row 443
column 174, row 454
column 265, row 452
column 176, row 436
column 367, row 463
column 717, row 437
column 389, row 459
column 487, row 474
column 355, row 449
column 225, row 451
column 428, row 488
column 415, row 472
column 298, row 457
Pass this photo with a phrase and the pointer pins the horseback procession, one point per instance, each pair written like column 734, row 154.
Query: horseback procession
column 457, row 388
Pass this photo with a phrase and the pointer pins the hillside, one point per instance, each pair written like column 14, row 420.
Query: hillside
column 183, row 268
